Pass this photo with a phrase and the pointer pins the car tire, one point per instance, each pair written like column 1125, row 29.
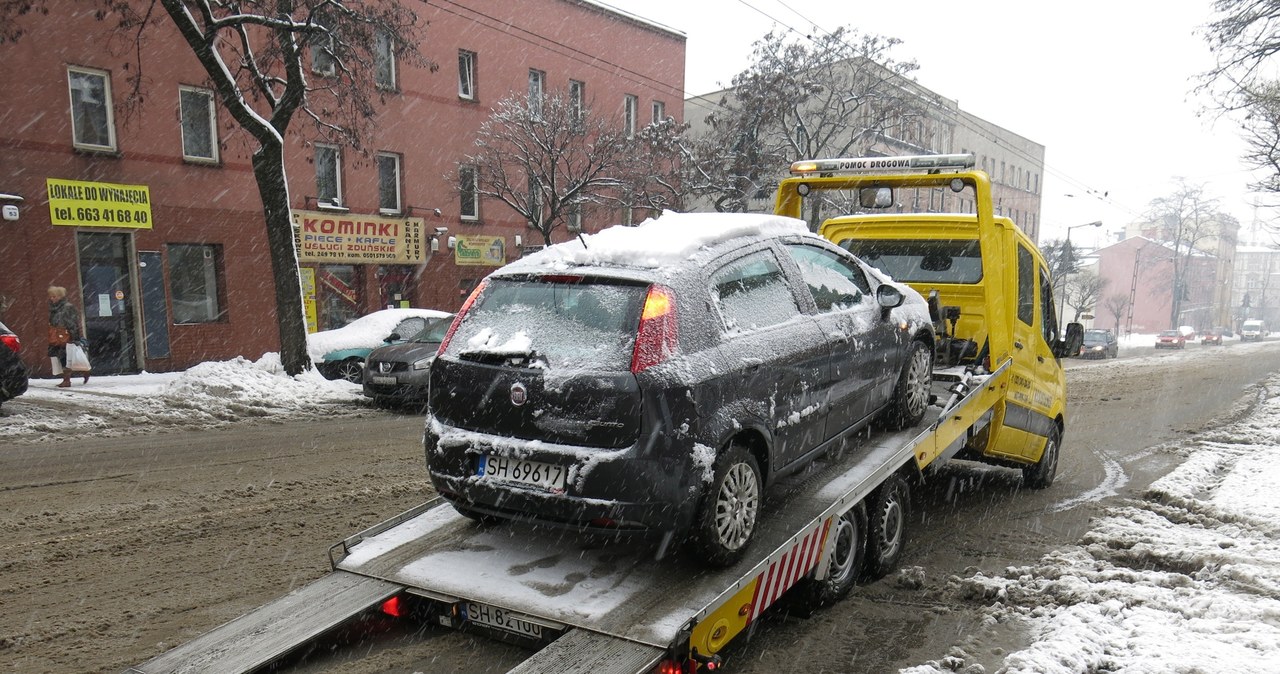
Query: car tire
column 729, row 510
column 1041, row 475
column 887, row 512
column 911, row 393
column 351, row 369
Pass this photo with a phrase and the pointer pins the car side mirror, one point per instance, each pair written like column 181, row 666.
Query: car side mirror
column 1072, row 343
column 888, row 297
column 393, row 337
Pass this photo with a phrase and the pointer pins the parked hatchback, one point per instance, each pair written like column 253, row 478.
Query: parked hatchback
column 340, row 353
column 13, row 372
column 398, row 374
column 656, row 379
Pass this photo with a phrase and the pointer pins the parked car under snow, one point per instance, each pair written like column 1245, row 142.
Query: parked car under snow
column 340, row 353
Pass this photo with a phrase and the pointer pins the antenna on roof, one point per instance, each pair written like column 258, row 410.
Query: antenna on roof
column 584, row 241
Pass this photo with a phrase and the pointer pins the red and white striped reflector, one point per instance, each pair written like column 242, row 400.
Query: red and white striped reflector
column 787, row 567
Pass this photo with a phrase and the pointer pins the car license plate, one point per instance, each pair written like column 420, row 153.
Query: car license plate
column 492, row 616
column 533, row 473
column 384, row 380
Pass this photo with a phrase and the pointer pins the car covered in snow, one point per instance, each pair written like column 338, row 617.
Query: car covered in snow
column 656, row 380
column 340, row 353
column 13, row 372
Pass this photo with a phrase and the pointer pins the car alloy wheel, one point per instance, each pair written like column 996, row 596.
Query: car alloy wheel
column 911, row 394
column 729, row 511
column 351, row 370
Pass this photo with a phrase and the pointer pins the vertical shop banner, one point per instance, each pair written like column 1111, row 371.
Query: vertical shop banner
column 490, row 251
column 80, row 203
column 346, row 238
column 309, row 297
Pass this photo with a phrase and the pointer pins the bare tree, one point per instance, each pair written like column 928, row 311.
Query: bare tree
column 834, row 94
column 1083, row 290
column 1063, row 258
column 1117, row 305
column 1186, row 220
column 551, row 159
column 255, row 54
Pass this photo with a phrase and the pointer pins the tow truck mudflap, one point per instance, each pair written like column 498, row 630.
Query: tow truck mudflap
column 269, row 632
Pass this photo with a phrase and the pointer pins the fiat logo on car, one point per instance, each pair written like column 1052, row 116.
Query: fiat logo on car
column 519, row 394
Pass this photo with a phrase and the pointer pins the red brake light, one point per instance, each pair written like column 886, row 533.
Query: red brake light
column 656, row 339
column 457, row 319
column 12, row 342
column 393, row 607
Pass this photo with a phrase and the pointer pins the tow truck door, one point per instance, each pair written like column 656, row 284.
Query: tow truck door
column 1026, row 418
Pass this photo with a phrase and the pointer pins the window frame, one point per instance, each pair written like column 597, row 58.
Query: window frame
column 397, row 180
column 467, row 75
column 321, row 200
column 659, row 110
column 577, row 100
column 108, row 106
column 322, row 51
column 537, row 92
column 630, row 111
column 213, row 272
column 212, row 121
column 463, row 171
column 1026, row 306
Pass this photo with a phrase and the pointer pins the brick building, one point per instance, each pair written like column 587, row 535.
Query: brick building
column 152, row 219
column 1141, row 270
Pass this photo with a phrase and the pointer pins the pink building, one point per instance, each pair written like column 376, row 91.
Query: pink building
column 1142, row 271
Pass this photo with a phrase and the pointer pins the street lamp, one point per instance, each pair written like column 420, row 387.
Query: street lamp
column 1067, row 272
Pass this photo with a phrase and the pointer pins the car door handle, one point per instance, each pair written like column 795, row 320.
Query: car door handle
column 1018, row 345
column 1040, row 358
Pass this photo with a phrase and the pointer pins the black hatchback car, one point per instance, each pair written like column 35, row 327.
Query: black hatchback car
column 13, row 372
column 656, row 379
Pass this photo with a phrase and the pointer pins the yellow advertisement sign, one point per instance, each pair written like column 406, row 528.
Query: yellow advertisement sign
column 489, row 251
column 87, row 204
column 308, row 276
column 345, row 237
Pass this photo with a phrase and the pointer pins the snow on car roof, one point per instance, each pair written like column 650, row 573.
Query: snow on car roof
column 663, row 241
column 366, row 332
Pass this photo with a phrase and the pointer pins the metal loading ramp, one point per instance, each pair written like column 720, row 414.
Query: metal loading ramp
column 585, row 652
column 269, row 632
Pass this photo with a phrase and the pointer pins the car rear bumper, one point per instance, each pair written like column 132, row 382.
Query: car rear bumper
column 614, row 492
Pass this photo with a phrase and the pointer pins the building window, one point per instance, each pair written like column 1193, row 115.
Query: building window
column 466, row 75
column 199, row 124
column 575, row 218
column 659, row 111
column 92, row 125
column 384, row 61
column 389, row 183
column 629, row 109
column 323, row 62
column 577, row 100
column 535, row 203
column 328, row 175
column 195, row 282
column 468, row 192
column 537, row 86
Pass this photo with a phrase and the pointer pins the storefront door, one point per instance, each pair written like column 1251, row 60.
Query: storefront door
column 107, row 301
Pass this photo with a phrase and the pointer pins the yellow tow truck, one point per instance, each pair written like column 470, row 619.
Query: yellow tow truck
column 999, row 397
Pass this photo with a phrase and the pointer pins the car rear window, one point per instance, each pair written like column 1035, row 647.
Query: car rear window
column 552, row 324
column 921, row 261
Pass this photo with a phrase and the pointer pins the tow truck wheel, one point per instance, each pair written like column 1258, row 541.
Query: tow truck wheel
column 911, row 394
column 1040, row 476
column 886, row 526
column 727, row 516
column 848, row 545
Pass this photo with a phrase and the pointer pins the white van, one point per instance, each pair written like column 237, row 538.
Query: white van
column 1253, row 330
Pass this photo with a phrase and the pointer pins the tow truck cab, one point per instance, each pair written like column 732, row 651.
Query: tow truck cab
column 988, row 284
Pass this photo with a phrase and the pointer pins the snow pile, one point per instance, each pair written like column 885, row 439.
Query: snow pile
column 1185, row 580
column 366, row 332
column 206, row 396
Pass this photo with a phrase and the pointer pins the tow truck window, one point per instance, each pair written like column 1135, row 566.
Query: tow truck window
column 912, row 261
column 1026, row 286
column 1048, row 315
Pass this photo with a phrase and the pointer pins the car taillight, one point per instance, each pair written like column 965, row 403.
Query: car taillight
column 656, row 338
column 462, row 313
column 12, row 342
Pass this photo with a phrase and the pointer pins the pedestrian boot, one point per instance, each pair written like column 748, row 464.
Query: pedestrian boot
column 66, row 381
column 86, row 377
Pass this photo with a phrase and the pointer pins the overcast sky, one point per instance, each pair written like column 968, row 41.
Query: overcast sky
column 1106, row 87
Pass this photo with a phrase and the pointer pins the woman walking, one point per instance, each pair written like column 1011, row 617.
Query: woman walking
column 64, row 328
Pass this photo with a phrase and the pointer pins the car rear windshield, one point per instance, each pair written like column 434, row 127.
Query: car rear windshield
column 552, row 324
column 921, row 261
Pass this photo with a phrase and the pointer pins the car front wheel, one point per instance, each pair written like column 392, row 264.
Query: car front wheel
column 351, row 369
column 1040, row 475
column 911, row 394
column 727, row 516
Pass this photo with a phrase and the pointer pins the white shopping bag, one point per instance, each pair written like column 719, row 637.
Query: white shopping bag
column 77, row 359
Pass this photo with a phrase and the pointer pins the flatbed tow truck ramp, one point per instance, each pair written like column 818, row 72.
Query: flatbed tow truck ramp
column 603, row 607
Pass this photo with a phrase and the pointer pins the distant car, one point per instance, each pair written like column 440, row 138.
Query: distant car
column 654, row 381
column 1099, row 344
column 1171, row 339
column 399, row 373
column 13, row 372
column 340, row 353
column 1187, row 332
column 1211, row 336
